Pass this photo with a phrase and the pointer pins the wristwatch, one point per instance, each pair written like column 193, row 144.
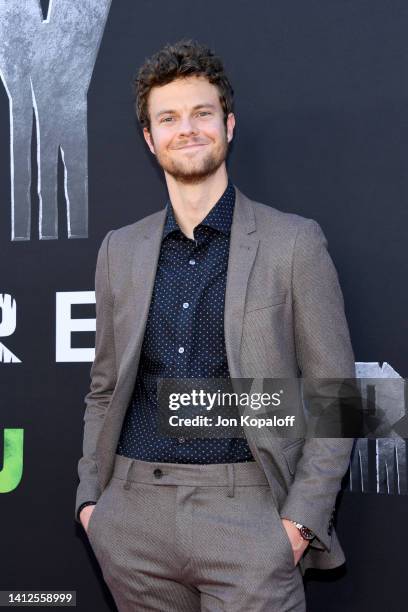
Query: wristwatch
column 305, row 532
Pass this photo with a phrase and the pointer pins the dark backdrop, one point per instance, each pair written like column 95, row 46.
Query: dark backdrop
column 322, row 123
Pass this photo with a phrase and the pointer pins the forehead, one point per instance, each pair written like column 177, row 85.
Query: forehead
column 183, row 93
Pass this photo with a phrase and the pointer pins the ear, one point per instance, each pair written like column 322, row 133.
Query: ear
column 148, row 139
column 230, row 126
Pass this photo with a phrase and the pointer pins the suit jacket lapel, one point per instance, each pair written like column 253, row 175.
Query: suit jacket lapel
column 243, row 248
column 144, row 266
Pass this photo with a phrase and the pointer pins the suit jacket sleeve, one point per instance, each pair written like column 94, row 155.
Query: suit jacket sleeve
column 323, row 349
column 103, row 380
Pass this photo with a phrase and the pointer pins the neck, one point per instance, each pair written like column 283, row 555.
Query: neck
column 192, row 203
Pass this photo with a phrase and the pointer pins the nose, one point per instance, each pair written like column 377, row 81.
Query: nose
column 187, row 126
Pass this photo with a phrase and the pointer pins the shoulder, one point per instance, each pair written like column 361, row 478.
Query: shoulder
column 125, row 236
column 270, row 220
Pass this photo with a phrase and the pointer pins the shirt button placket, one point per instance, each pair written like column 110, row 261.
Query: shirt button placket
column 185, row 322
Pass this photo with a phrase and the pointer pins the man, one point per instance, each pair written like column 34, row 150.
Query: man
column 214, row 285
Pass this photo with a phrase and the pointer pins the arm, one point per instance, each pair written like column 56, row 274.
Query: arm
column 323, row 349
column 103, row 380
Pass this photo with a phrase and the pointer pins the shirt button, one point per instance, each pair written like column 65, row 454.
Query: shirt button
column 158, row 473
column 181, row 349
column 192, row 262
column 181, row 440
column 186, row 305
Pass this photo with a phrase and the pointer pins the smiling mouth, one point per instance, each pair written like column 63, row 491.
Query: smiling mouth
column 192, row 146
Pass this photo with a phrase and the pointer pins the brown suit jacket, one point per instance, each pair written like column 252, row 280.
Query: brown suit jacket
column 284, row 317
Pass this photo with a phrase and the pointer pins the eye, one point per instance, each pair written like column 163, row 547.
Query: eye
column 166, row 120
column 201, row 113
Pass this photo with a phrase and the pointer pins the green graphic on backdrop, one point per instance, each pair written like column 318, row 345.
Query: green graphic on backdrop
column 12, row 471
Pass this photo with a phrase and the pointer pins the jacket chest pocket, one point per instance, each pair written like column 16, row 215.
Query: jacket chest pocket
column 261, row 301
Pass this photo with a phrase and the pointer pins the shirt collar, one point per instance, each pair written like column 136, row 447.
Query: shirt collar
column 219, row 217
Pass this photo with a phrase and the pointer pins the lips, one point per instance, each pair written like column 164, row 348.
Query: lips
column 192, row 146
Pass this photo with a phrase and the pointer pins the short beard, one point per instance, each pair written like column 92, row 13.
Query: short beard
column 208, row 167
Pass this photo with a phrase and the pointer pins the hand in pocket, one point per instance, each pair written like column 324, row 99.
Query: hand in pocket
column 85, row 515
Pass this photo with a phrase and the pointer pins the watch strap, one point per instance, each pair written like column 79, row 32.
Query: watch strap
column 305, row 532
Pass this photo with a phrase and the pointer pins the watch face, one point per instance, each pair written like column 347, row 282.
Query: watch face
column 307, row 534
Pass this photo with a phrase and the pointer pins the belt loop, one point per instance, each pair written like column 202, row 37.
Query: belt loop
column 127, row 479
column 231, row 477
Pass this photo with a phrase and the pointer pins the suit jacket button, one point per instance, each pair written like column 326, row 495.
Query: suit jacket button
column 158, row 473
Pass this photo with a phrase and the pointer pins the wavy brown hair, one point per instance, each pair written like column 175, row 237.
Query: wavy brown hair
column 181, row 59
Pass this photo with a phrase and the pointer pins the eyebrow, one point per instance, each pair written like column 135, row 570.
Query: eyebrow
column 196, row 107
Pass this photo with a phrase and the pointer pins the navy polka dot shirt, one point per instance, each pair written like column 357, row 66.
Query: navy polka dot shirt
column 184, row 337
